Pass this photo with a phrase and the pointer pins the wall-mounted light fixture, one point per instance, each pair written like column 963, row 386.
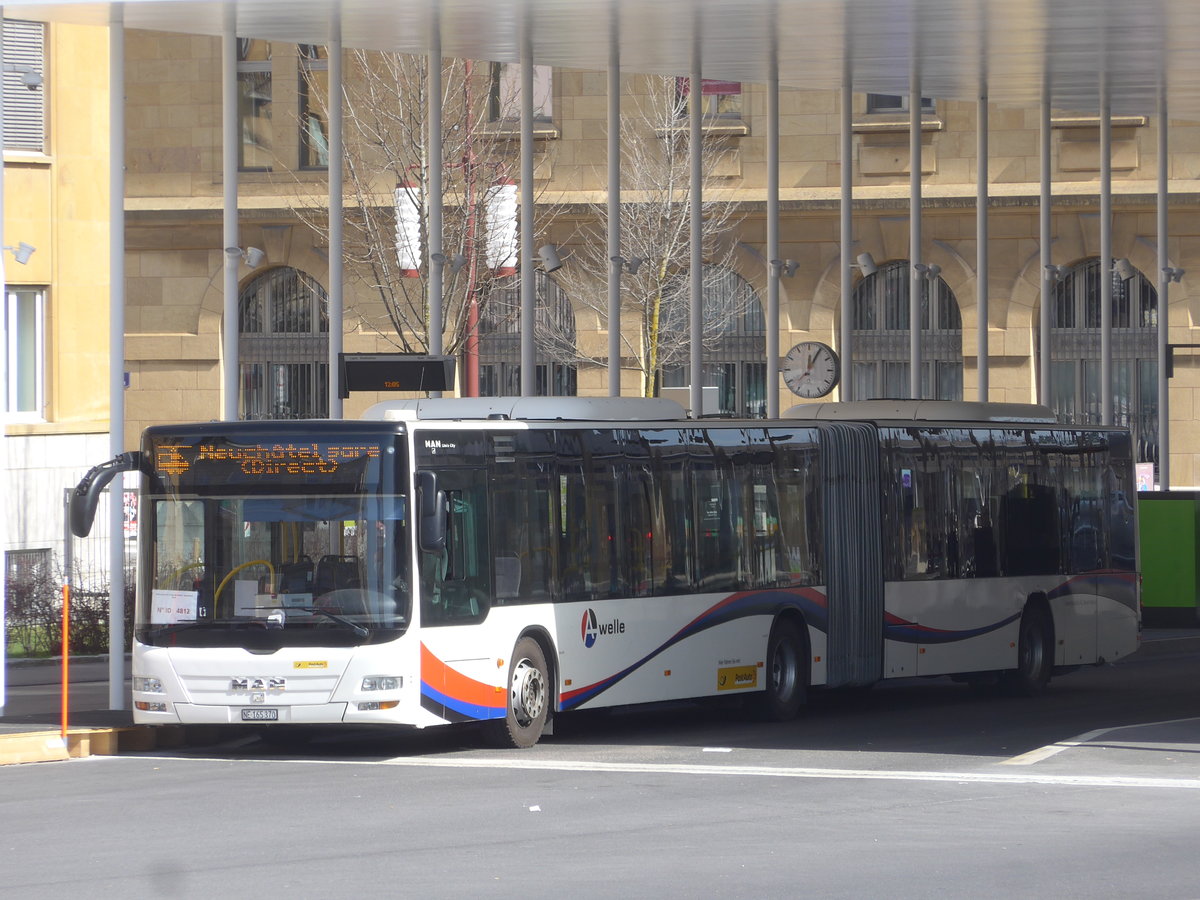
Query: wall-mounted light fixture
column 457, row 261
column 22, row 252
column 931, row 272
column 1123, row 269
column 1057, row 273
column 550, row 259
column 783, row 267
column 1172, row 274
column 866, row 263
column 251, row 256
column 30, row 77
column 627, row 265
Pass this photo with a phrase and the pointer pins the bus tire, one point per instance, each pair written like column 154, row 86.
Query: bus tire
column 1035, row 654
column 786, row 673
column 528, row 702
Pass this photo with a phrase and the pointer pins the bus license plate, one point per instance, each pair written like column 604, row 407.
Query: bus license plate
column 255, row 714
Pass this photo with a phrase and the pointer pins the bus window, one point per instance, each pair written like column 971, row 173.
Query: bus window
column 523, row 522
column 672, row 507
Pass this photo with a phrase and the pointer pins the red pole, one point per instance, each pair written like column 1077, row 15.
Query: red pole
column 66, row 657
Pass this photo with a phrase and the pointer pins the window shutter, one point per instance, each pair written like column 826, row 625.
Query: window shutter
column 24, row 109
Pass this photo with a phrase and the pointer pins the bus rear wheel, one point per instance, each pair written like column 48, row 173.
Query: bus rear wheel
column 1035, row 654
column 786, row 674
column 528, row 698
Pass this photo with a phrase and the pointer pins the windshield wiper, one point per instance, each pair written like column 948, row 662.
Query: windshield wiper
column 359, row 630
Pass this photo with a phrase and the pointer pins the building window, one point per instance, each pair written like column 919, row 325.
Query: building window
column 881, row 337
column 735, row 342
column 554, row 341
column 284, row 347
column 24, row 107
column 26, row 568
column 896, row 103
column 720, row 99
column 504, row 93
column 25, row 314
column 314, row 95
column 255, row 151
column 1075, row 394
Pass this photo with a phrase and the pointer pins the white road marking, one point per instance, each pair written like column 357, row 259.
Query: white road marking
column 547, row 765
column 1043, row 753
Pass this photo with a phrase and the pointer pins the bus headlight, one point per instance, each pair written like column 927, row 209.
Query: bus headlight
column 147, row 685
column 382, row 683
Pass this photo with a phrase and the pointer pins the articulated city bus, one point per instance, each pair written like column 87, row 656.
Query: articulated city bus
column 506, row 560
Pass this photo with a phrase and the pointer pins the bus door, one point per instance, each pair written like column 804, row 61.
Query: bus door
column 853, row 552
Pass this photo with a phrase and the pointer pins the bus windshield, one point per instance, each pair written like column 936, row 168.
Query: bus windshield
column 240, row 555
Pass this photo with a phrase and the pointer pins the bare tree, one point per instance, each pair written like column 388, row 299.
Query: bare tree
column 655, row 210
column 387, row 203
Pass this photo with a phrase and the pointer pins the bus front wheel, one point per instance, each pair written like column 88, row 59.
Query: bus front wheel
column 528, row 698
column 1035, row 654
column 786, row 673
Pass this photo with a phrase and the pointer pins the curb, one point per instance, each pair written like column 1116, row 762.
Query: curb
column 49, row 746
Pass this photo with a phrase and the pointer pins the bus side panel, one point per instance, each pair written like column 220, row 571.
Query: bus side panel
column 953, row 625
column 1117, row 626
column 1073, row 605
column 666, row 648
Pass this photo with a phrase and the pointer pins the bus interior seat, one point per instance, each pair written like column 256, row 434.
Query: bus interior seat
column 334, row 573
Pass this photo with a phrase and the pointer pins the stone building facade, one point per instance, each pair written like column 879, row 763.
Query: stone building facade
column 175, row 255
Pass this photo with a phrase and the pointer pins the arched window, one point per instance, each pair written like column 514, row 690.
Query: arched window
column 283, row 347
column 1075, row 394
column 554, row 340
column 734, row 336
column 881, row 337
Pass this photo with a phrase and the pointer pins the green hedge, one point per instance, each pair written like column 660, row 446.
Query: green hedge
column 33, row 617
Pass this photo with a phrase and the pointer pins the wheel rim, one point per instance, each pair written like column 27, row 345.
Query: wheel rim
column 527, row 693
column 1032, row 652
column 783, row 672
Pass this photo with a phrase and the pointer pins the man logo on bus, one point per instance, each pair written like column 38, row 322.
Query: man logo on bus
column 590, row 630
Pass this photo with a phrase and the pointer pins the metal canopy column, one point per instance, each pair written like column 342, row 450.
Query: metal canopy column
column 1106, row 260
column 846, row 232
column 336, row 254
column 1164, row 305
column 916, row 278
column 695, row 198
column 433, row 137
column 229, row 236
column 981, row 240
column 775, row 264
column 528, row 296
column 1048, row 279
column 116, row 355
column 614, row 208
column 4, row 368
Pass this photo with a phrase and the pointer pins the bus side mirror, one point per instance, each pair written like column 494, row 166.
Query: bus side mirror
column 431, row 514
column 86, row 495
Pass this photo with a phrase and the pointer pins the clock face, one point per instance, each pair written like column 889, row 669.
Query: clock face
column 811, row 369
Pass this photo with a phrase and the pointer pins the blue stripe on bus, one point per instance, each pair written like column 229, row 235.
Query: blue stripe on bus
column 462, row 708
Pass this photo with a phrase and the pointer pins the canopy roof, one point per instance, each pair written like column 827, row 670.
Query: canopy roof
column 1011, row 45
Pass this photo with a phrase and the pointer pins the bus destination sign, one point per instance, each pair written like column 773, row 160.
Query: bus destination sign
column 262, row 459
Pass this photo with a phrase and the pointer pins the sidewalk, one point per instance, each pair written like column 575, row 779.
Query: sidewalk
column 31, row 727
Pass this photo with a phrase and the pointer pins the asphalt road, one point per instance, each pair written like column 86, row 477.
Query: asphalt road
column 910, row 790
